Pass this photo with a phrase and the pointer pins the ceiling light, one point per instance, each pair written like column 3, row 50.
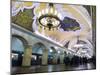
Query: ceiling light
column 51, row 50
column 58, row 52
column 78, row 45
column 49, row 17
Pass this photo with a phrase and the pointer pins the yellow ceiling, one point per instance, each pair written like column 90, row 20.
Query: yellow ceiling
column 62, row 36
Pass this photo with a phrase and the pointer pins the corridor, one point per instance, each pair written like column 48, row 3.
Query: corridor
column 51, row 37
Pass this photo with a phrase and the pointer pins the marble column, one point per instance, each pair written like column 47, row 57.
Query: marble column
column 61, row 58
column 55, row 59
column 27, row 56
column 45, row 57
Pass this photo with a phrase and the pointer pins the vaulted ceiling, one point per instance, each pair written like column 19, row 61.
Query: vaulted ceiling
column 25, row 15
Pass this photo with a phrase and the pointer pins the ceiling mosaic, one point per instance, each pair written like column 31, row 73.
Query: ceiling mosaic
column 76, row 21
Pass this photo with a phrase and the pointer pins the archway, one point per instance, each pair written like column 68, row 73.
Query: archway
column 18, row 43
column 52, row 55
column 40, row 50
column 17, row 47
column 56, row 54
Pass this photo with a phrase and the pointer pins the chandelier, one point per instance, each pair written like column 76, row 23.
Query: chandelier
column 49, row 18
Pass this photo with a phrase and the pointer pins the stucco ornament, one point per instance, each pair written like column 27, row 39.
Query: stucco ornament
column 20, row 6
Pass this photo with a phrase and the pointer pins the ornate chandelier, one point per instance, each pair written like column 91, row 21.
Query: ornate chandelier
column 49, row 18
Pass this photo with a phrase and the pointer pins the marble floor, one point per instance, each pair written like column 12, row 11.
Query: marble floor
column 51, row 68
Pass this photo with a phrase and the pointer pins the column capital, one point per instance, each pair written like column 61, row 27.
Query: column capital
column 28, row 46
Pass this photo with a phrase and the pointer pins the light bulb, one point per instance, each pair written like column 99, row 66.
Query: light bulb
column 58, row 51
column 42, row 21
column 59, row 15
column 39, row 14
column 45, row 22
column 51, row 50
column 56, row 23
column 55, row 13
column 43, row 12
column 51, row 10
column 53, row 23
column 47, row 10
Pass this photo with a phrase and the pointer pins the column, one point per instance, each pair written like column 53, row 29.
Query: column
column 27, row 56
column 61, row 58
column 55, row 59
column 45, row 57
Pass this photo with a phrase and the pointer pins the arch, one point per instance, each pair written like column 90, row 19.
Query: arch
column 18, row 43
column 54, row 51
column 38, row 48
column 21, row 38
